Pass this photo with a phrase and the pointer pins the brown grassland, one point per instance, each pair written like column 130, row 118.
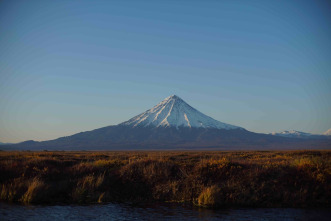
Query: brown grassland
column 202, row 178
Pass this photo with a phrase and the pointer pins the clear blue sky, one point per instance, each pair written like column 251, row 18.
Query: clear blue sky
column 72, row 66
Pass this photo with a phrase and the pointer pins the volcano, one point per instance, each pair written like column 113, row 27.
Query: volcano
column 171, row 124
column 174, row 112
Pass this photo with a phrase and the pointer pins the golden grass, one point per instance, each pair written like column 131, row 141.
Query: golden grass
column 209, row 196
column 203, row 178
column 34, row 192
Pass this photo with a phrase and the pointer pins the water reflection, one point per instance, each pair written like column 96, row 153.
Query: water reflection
column 153, row 212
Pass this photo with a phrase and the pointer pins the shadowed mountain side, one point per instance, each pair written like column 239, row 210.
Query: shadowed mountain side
column 172, row 124
column 124, row 138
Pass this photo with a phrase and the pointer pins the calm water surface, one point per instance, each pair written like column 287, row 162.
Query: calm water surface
column 153, row 212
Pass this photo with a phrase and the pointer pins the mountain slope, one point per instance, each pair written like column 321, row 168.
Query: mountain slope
column 174, row 112
column 124, row 137
column 172, row 124
column 5, row 143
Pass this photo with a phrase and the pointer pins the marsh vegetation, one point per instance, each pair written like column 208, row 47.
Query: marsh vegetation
column 205, row 178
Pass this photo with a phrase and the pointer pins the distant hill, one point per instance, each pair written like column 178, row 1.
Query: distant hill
column 5, row 146
column 172, row 124
column 5, row 143
column 299, row 134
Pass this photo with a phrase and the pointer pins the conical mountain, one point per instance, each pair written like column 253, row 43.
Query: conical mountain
column 175, row 112
column 171, row 124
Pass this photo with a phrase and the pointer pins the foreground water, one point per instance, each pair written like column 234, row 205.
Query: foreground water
column 153, row 212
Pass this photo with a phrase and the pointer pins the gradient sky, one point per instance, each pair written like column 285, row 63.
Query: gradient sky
column 72, row 66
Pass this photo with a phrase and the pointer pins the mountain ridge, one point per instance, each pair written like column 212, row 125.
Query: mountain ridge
column 171, row 124
column 298, row 134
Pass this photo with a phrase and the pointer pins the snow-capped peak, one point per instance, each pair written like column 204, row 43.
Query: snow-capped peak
column 292, row 133
column 175, row 112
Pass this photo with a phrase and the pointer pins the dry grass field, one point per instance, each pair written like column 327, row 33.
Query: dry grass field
column 201, row 178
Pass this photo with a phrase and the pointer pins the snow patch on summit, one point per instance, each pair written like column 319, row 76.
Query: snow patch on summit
column 292, row 133
column 174, row 112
